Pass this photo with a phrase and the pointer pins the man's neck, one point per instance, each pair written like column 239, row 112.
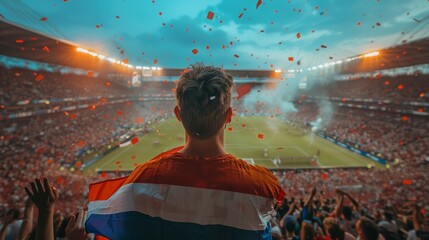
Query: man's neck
column 210, row 147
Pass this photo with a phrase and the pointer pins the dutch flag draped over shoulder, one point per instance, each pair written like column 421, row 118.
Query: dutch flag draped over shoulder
column 174, row 196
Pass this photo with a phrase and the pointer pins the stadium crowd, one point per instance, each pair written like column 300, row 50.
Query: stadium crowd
column 47, row 145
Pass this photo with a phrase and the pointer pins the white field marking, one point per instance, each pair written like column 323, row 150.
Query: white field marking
column 120, row 154
column 299, row 149
column 341, row 150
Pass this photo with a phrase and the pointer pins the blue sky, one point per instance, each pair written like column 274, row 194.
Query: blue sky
column 262, row 38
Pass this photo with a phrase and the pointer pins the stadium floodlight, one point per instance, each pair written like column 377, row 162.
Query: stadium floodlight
column 332, row 63
column 101, row 56
column 371, row 54
column 326, row 65
column 112, row 60
column 139, row 67
column 93, row 54
column 291, row 70
column 82, row 50
column 153, row 68
column 314, row 68
column 320, row 66
column 278, row 70
column 339, row 62
column 159, row 68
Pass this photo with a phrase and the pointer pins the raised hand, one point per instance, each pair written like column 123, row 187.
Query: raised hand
column 42, row 194
column 75, row 229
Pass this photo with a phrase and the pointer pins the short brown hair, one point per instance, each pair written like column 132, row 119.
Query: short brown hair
column 203, row 95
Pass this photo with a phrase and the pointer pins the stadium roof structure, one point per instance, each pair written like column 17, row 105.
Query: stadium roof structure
column 404, row 55
column 20, row 42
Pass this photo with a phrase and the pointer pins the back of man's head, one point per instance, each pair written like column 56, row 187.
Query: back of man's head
column 347, row 212
column 203, row 96
column 367, row 229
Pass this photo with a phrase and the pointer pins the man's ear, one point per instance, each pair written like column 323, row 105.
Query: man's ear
column 177, row 113
column 228, row 115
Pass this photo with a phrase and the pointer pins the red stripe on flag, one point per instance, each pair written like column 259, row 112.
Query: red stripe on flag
column 103, row 190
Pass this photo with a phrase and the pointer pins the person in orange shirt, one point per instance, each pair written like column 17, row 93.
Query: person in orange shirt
column 198, row 191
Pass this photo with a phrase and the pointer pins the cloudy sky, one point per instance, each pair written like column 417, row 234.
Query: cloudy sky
column 239, row 36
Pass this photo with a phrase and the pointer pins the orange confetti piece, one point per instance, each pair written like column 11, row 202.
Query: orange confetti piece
column 230, row 129
column 45, row 49
column 78, row 164
column 194, row 51
column 49, row 161
column 92, row 107
column 19, row 41
column 404, row 118
column 290, row 59
column 139, row 120
column 135, row 140
column 386, row 83
column 400, row 87
column 210, row 15
column 108, row 84
column 243, row 125
column 118, row 162
column 258, row 3
column 44, row 19
column 260, row 136
column 421, row 95
column 125, row 61
column 298, row 35
column 39, row 77
column 90, row 74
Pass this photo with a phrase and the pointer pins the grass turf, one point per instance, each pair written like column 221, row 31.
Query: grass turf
column 243, row 139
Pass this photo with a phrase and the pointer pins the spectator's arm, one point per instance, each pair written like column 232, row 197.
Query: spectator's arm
column 292, row 207
column 339, row 204
column 417, row 221
column 309, row 201
column 354, row 202
column 75, row 229
column 27, row 222
column 43, row 196
column 7, row 220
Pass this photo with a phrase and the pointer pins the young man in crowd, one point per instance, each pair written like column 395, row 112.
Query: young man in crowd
column 198, row 191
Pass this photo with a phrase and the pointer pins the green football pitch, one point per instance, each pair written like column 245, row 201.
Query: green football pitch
column 256, row 139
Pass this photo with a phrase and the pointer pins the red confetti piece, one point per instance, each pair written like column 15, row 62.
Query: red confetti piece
column 49, row 161
column 236, row 55
column 19, row 41
column 78, row 164
column 243, row 89
column 258, row 3
column 420, row 110
column 44, row 19
column 358, row 24
column 90, row 74
column 210, row 15
column 108, row 84
column 39, row 77
column 98, row 26
column 133, row 157
column 208, row 47
column 260, row 136
column 386, row 83
column 400, row 87
column 407, row 182
column 241, row 15
column 40, row 150
column 160, row 13
column 135, row 164
column 404, row 118
column 230, row 129
column 135, row 140
column 92, row 107
column 125, row 60
column 421, row 95
column 155, row 61
column 324, row 176
column 120, row 113
column 243, row 125
column 290, row 59
column 73, row 116
column 118, row 162
column 194, row 51
column 298, row 35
